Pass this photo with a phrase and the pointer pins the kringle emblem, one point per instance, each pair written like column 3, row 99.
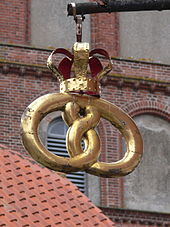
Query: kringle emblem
column 79, row 100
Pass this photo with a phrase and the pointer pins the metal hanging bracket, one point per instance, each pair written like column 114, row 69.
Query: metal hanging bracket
column 103, row 2
column 108, row 6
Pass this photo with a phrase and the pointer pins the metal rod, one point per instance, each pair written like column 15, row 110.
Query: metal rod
column 118, row 6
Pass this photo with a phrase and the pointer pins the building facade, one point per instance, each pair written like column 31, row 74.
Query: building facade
column 139, row 84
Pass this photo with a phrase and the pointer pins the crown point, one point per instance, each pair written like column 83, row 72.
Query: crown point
column 79, row 60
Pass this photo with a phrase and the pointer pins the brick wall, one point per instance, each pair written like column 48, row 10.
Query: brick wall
column 15, row 21
column 105, row 32
column 134, row 218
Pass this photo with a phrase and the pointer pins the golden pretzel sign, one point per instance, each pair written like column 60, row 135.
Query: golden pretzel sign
column 82, row 110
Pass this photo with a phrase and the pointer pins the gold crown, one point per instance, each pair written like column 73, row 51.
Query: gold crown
column 78, row 61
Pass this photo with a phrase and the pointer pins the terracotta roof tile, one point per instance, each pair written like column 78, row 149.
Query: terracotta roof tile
column 31, row 195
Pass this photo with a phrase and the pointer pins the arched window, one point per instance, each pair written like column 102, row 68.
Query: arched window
column 56, row 143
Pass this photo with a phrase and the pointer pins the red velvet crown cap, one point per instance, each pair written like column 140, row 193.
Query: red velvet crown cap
column 66, row 63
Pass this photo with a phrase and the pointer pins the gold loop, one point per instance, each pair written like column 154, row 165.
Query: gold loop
column 86, row 160
column 30, row 120
column 130, row 132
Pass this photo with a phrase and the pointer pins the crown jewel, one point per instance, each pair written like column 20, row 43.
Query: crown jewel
column 78, row 61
